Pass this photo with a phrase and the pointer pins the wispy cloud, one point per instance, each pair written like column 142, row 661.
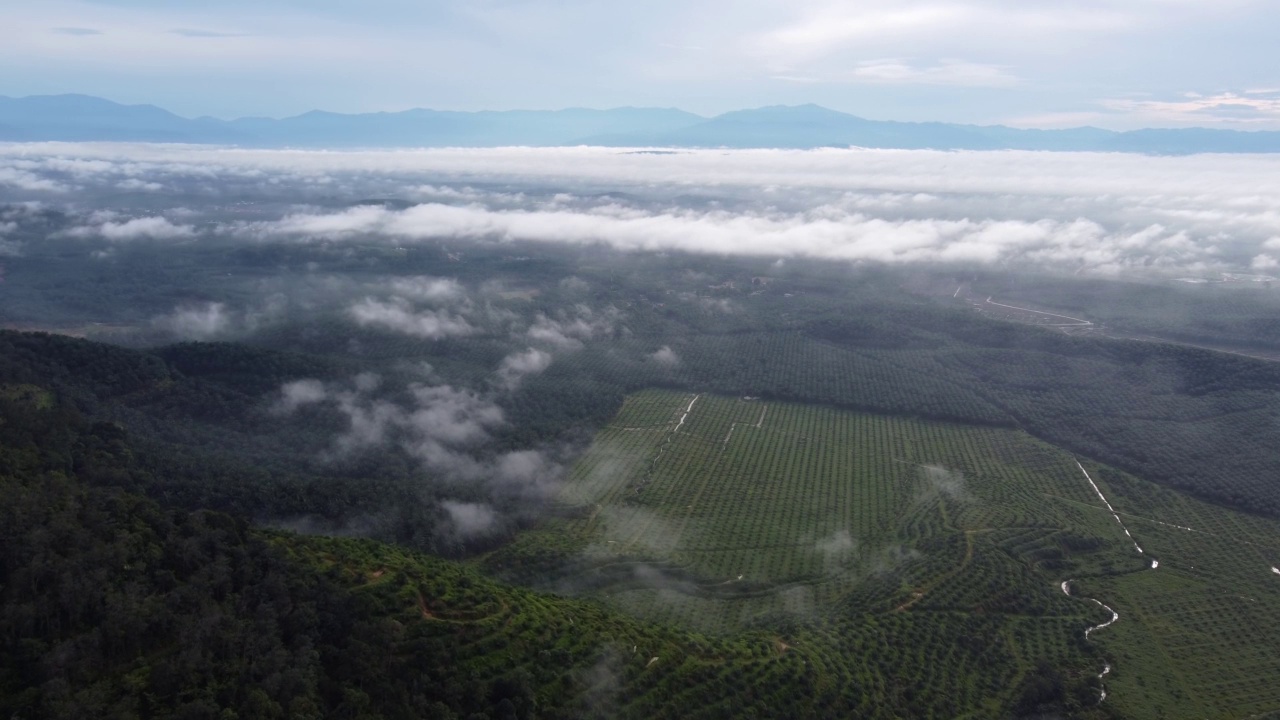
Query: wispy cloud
column 947, row 72
column 890, row 71
column 1259, row 106
column 75, row 31
column 199, row 33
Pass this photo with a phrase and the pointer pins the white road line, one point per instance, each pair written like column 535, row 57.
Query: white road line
column 1113, row 510
column 686, row 413
column 1080, row 321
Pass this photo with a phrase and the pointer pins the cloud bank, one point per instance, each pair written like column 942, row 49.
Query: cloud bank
column 1078, row 212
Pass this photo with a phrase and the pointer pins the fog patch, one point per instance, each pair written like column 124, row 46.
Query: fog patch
column 891, row 557
column 601, row 683
column 838, row 551
column 941, row 482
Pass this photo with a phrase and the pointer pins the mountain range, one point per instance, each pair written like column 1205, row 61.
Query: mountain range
column 87, row 118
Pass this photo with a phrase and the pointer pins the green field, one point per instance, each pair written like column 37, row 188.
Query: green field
column 915, row 556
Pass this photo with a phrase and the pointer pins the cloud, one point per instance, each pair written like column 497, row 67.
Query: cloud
column 570, row 328
column 1264, row 262
column 948, row 72
column 298, row 394
column 1092, row 212
column 939, row 481
column 24, row 180
column 136, row 184
column 517, row 366
column 156, row 228
column 198, row 33
column 79, row 31
column 1259, row 107
column 433, row 289
column 446, row 429
column 196, row 322
column 816, row 34
column 470, row 520
column 398, row 315
column 210, row 320
column 665, row 357
column 838, row 550
column 574, row 284
column 828, row 233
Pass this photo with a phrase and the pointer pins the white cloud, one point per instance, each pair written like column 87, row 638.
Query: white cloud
column 136, row 184
column 1258, row 107
column 428, row 288
column 298, row 394
column 196, row 322
column 570, row 328
column 470, row 519
column 665, row 357
column 829, row 234
column 516, row 366
column 157, row 228
column 398, row 315
column 1091, row 211
column 1264, row 262
column 24, row 180
column 948, row 72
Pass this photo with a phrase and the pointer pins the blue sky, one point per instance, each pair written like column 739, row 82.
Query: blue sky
column 1110, row 63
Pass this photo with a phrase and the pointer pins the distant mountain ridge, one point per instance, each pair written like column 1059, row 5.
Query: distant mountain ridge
column 87, row 118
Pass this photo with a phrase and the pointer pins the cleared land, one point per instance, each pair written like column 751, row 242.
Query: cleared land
column 893, row 552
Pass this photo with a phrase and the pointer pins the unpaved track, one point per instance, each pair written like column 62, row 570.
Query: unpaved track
column 1066, row 584
column 1075, row 320
column 1114, row 514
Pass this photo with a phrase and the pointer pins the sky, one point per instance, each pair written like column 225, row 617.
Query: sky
column 1119, row 64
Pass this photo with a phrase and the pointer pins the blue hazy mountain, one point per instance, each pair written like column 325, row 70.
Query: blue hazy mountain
column 84, row 118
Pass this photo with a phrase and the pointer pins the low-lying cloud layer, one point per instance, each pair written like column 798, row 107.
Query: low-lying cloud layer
column 444, row 428
column 1084, row 212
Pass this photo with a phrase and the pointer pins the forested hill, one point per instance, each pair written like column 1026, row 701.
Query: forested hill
column 114, row 606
